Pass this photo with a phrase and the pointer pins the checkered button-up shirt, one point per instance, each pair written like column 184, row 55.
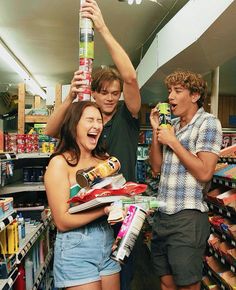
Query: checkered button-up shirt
column 178, row 188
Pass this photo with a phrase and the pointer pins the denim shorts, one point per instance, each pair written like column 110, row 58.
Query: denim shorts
column 178, row 245
column 82, row 255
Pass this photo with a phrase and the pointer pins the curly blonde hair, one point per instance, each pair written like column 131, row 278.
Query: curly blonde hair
column 189, row 80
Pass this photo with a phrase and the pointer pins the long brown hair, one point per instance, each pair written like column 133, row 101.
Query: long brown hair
column 68, row 134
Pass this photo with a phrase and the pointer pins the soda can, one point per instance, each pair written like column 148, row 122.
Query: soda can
column 87, row 80
column 85, row 22
column 94, row 174
column 84, row 95
column 85, row 61
column 128, row 233
column 164, row 115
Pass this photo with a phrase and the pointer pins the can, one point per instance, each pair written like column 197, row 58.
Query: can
column 128, row 233
column 102, row 170
column 84, row 95
column 85, row 22
column 86, row 46
column 164, row 115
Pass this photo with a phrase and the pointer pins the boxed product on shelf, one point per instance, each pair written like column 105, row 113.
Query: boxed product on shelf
column 6, row 206
column 226, row 197
column 229, row 151
column 212, row 195
column 228, row 172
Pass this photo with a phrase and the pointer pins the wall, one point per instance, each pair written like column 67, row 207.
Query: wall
column 227, row 108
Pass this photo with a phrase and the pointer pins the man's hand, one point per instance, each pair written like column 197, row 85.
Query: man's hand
column 154, row 118
column 91, row 10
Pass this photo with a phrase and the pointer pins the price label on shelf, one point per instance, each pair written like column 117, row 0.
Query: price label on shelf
column 228, row 214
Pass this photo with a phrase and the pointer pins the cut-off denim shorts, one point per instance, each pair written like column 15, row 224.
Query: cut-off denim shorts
column 82, row 255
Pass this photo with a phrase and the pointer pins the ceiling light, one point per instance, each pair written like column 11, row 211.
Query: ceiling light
column 7, row 55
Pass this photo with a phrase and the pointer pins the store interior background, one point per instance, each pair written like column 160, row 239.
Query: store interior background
column 43, row 35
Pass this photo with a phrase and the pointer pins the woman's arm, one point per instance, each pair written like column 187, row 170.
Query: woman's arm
column 57, row 186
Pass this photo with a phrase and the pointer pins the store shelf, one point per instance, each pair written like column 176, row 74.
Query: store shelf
column 30, row 239
column 223, row 236
column 20, row 187
column 4, row 222
column 33, row 155
column 228, row 159
column 42, row 270
column 50, row 284
column 6, row 284
column 223, row 260
column 224, row 181
column 216, row 278
column 225, row 211
column 7, row 156
column 36, row 119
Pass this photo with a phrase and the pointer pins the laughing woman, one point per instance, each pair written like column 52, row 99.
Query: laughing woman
column 84, row 240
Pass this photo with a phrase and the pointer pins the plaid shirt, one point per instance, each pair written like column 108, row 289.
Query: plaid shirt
column 178, row 188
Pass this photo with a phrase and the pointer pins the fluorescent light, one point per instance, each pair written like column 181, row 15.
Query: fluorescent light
column 130, row 2
column 7, row 55
column 138, row 2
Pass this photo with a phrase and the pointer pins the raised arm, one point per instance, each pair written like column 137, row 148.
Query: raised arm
column 155, row 153
column 56, row 119
column 120, row 58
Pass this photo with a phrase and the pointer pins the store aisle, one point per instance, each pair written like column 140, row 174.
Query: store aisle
column 144, row 278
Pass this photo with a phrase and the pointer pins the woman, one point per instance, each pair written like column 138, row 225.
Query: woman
column 84, row 240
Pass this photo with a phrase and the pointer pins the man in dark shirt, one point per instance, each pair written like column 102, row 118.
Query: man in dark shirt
column 121, row 126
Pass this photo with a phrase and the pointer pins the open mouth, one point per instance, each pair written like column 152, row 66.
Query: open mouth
column 93, row 136
column 173, row 107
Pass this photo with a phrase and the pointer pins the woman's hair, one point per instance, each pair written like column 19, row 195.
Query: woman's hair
column 68, row 134
column 189, row 80
column 106, row 74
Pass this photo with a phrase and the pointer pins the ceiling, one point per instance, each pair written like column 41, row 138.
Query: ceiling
column 44, row 36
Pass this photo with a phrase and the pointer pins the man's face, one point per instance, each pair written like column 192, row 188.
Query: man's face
column 107, row 99
column 181, row 101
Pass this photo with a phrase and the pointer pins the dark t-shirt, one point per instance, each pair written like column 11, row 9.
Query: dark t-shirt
column 120, row 136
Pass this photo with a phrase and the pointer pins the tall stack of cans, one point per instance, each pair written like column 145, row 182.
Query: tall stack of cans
column 86, row 55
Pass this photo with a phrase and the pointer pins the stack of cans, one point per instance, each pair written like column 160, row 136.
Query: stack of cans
column 21, row 143
column 86, row 55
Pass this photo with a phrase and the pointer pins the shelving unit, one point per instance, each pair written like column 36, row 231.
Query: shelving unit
column 37, row 229
column 22, row 118
column 6, row 284
column 228, row 213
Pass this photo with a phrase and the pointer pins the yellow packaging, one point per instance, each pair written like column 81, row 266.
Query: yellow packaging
column 164, row 115
column 3, row 241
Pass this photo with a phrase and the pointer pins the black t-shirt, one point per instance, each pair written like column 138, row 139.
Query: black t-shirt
column 120, row 137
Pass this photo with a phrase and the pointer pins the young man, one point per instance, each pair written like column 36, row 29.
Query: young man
column 121, row 121
column 186, row 156
column 121, row 125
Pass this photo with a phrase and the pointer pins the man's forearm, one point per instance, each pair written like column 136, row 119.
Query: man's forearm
column 119, row 56
column 155, row 154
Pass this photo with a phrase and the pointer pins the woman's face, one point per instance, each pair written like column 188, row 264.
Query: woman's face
column 89, row 128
